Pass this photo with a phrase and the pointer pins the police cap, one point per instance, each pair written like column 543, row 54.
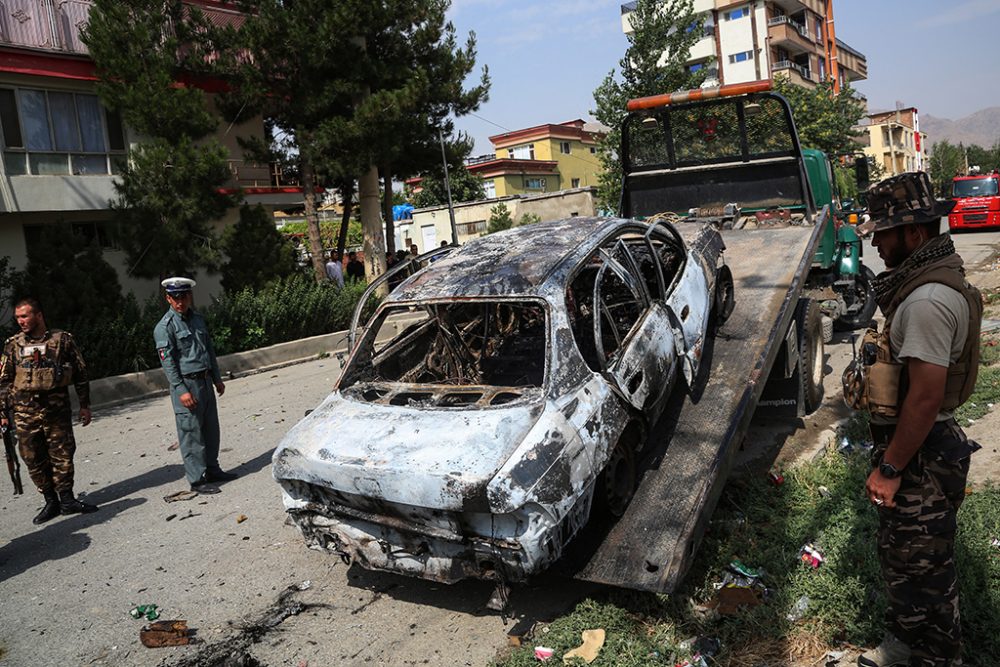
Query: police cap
column 177, row 285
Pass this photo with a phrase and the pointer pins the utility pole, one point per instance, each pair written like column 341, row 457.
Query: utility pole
column 447, row 189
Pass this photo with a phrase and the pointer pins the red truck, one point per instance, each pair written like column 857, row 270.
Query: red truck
column 977, row 201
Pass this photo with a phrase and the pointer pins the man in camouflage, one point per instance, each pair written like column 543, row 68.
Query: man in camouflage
column 921, row 457
column 37, row 367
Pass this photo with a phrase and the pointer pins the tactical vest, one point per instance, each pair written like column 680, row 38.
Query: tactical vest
column 878, row 382
column 41, row 366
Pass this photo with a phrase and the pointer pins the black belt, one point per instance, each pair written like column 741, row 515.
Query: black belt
column 200, row 375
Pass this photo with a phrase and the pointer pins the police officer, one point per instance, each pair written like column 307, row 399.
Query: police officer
column 921, row 366
column 188, row 359
column 37, row 368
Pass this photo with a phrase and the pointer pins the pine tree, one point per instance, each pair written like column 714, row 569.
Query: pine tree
column 663, row 32
column 168, row 192
column 356, row 85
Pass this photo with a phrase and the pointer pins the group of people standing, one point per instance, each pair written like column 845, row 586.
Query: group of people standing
column 335, row 268
column 39, row 364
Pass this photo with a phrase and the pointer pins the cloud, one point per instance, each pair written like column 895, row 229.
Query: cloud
column 964, row 12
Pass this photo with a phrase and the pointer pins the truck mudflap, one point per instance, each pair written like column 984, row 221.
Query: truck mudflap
column 689, row 452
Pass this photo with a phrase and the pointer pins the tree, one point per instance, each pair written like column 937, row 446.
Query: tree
column 258, row 253
column 987, row 159
column 465, row 186
column 68, row 274
column 529, row 219
column 947, row 161
column 663, row 32
column 500, row 219
column 354, row 84
column 168, row 192
column 825, row 119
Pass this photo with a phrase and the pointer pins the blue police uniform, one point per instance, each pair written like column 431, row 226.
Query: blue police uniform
column 185, row 349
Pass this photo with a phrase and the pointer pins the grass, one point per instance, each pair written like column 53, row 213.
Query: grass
column 987, row 391
column 765, row 526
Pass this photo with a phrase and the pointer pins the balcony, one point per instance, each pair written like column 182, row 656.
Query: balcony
column 796, row 73
column 794, row 6
column 44, row 24
column 789, row 35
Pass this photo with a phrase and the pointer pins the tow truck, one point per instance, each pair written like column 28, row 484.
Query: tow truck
column 977, row 201
column 731, row 156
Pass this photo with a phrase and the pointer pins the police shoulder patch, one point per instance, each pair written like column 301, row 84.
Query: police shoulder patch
column 163, row 353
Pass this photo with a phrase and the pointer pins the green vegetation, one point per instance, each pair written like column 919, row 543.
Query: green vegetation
column 658, row 27
column 987, row 392
column 765, row 526
column 500, row 219
column 257, row 252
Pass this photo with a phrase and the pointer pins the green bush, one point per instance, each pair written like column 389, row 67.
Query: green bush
column 287, row 309
column 257, row 252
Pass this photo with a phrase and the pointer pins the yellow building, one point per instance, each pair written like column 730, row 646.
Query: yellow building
column 895, row 141
column 544, row 158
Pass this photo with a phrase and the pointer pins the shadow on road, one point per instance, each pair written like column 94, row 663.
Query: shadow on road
column 61, row 538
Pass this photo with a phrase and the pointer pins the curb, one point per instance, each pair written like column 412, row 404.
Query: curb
column 118, row 390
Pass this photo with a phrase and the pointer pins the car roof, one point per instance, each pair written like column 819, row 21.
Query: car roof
column 512, row 262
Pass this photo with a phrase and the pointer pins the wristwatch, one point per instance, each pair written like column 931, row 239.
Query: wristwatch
column 888, row 470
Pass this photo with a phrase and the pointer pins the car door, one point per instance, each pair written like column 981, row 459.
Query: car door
column 688, row 296
column 637, row 358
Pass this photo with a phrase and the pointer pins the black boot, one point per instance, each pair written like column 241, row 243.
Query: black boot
column 204, row 485
column 51, row 509
column 68, row 504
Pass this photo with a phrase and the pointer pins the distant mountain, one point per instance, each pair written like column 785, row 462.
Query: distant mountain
column 981, row 128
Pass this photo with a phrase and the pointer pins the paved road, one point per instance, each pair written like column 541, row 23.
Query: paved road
column 67, row 586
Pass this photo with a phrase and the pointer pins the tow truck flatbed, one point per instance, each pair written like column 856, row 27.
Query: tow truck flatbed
column 687, row 457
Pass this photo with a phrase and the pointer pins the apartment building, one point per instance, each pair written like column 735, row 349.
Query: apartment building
column 894, row 140
column 752, row 41
column 544, row 158
column 62, row 149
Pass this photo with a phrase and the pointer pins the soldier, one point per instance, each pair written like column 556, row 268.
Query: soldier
column 911, row 377
column 36, row 370
column 188, row 359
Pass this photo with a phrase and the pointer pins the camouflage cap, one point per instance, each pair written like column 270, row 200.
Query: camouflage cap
column 906, row 199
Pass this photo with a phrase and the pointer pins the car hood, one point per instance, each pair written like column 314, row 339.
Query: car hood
column 435, row 458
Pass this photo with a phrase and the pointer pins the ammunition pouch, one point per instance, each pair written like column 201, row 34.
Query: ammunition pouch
column 49, row 371
column 872, row 381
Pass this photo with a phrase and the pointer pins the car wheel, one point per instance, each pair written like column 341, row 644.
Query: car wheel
column 616, row 483
column 862, row 293
column 725, row 295
column 809, row 320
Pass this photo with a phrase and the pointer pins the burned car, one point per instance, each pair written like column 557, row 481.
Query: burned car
column 498, row 397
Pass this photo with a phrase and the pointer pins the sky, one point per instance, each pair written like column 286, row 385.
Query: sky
column 546, row 58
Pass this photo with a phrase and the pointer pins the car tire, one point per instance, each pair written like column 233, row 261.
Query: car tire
column 616, row 483
column 809, row 321
column 725, row 295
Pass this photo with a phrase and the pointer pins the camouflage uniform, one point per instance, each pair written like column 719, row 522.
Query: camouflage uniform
column 35, row 374
column 916, row 545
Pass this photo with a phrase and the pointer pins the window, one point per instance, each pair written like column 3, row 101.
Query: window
column 574, row 182
column 740, row 57
column 470, row 228
column 564, row 147
column 734, row 14
column 534, row 183
column 53, row 132
column 695, row 67
column 593, row 149
column 522, row 152
column 822, row 68
column 490, row 187
column 819, row 29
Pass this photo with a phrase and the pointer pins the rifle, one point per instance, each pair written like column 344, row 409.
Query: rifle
column 13, row 463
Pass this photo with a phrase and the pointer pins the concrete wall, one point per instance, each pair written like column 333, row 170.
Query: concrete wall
column 578, row 202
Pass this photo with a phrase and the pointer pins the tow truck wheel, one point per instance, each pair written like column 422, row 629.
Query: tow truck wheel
column 616, row 483
column 809, row 320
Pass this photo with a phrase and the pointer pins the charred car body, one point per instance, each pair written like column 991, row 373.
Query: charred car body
column 497, row 398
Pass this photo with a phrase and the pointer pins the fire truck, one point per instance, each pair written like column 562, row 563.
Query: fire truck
column 977, row 201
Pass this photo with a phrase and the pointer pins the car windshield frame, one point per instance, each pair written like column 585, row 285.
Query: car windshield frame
column 367, row 349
